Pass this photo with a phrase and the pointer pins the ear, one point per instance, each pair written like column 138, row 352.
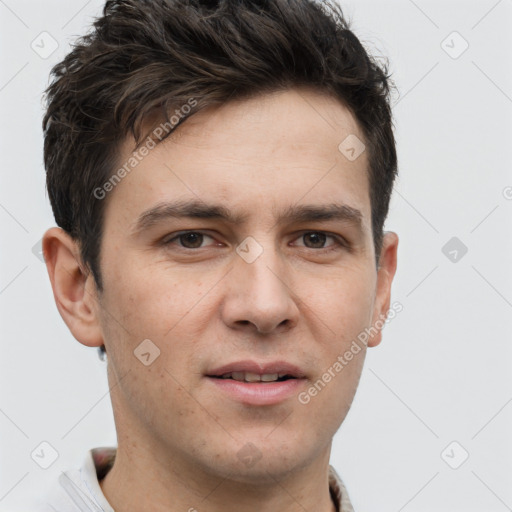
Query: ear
column 74, row 288
column 385, row 274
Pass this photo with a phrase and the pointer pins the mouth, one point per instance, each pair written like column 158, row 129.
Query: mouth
column 252, row 383
column 254, row 377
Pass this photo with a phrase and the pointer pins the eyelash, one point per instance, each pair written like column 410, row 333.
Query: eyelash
column 340, row 243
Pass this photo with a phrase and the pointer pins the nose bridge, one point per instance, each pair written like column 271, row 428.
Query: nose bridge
column 265, row 276
column 258, row 292
column 259, row 268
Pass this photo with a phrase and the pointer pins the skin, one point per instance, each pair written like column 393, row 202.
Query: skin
column 205, row 306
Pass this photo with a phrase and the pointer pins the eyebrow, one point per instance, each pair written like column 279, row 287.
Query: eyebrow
column 196, row 209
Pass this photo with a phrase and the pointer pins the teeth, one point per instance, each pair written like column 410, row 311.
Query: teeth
column 253, row 377
column 269, row 377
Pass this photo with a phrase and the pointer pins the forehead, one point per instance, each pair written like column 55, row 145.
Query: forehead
column 251, row 155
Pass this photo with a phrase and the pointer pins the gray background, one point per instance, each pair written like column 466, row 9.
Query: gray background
column 442, row 372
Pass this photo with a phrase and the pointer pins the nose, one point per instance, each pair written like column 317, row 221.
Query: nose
column 258, row 296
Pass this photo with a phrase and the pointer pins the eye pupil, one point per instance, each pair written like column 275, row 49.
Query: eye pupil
column 316, row 238
column 195, row 239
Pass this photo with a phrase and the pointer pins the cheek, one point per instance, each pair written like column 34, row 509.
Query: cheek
column 165, row 308
column 345, row 308
column 152, row 301
column 332, row 391
column 344, row 303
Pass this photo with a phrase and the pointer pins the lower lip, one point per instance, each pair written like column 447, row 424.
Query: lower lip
column 258, row 393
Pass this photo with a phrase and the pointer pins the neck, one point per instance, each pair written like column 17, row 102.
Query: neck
column 143, row 480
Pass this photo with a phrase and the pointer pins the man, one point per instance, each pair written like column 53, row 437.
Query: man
column 221, row 173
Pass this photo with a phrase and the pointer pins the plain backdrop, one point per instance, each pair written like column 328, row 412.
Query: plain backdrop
column 436, row 391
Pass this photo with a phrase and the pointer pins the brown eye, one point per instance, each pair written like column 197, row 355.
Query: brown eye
column 191, row 240
column 187, row 240
column 317, row 240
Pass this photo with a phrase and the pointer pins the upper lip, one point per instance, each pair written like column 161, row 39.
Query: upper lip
column 258, row 368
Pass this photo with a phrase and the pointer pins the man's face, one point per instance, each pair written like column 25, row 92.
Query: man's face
column 273, row 293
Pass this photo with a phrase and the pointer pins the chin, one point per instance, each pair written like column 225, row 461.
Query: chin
column 262, row 461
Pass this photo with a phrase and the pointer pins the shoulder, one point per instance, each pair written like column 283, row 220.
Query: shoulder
column 78, row 489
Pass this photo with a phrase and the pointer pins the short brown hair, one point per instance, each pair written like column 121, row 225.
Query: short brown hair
column 147, row 56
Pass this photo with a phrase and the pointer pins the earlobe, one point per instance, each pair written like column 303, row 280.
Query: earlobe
column 385, row 274
column 73, row 287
